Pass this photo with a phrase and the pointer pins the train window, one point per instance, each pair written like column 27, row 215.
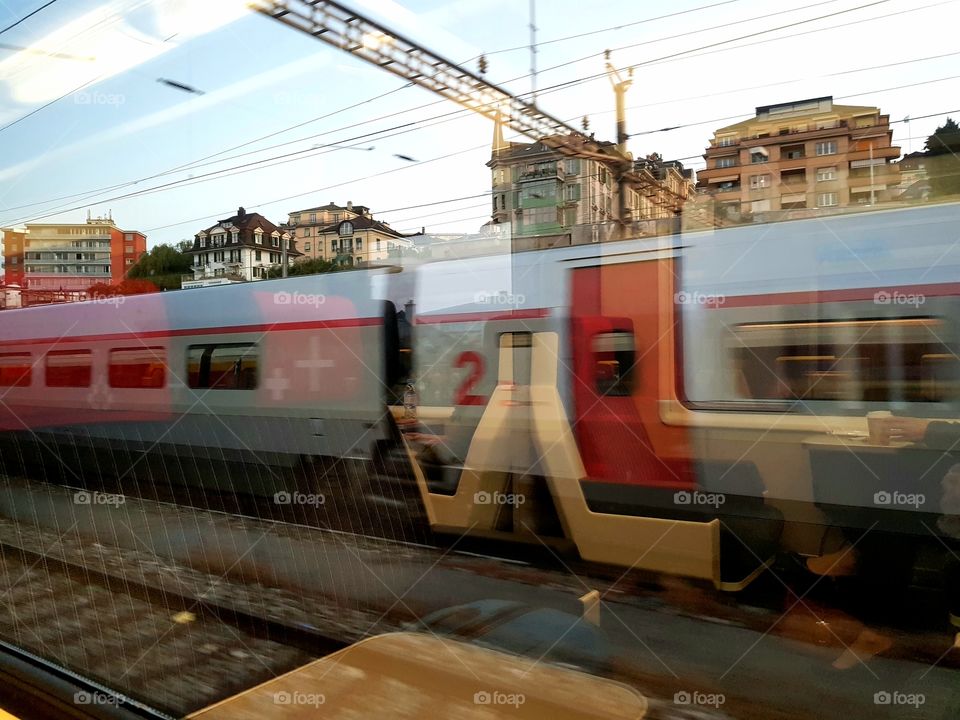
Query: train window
column 69, row 368
column 614, row 358
column 15, row 370
column 142, row 368
column 231, row 366
column 905, row 360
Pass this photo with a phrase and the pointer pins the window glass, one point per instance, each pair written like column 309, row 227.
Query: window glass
column 232, row 366
column 143, row 367
column 15, row 370
column 614, row 358
column 69, row 368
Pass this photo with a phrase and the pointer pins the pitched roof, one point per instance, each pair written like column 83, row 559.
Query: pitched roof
column 363, row 223
column 247, row 221
column 333, row 206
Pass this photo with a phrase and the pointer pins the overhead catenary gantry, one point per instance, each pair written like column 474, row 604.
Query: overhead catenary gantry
column 351, row 32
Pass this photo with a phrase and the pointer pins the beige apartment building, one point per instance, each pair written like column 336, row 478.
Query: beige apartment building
column 801, row 157
column 346, row 235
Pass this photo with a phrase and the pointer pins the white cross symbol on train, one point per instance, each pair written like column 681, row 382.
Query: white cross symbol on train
column 314, row 364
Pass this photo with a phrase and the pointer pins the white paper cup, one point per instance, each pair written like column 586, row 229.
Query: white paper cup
column 875, row 422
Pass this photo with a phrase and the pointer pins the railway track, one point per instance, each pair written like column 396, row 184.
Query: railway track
column 159, row 635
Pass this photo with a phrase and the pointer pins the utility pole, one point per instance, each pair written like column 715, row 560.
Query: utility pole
column 533, row 52
column 620, row 87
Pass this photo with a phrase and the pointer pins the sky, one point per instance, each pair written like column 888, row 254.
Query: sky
column 86, row 126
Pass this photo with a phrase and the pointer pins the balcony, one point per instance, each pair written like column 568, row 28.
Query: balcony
column 540, row 173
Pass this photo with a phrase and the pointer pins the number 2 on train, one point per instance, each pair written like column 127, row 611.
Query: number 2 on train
column 473, row 360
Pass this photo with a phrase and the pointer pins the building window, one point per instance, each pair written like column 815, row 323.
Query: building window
column 235, row 236
column 359, row 243
column 541, row 216
column 223, row 367
column 572, row 166
column 306, row 232
column 203, row 241
column 306, row 246
column 726, row 162
column 727, row 141
column 142, row 368
column 759, row 156
column 258, row 237
column 572, row 192
column 69, row 368
column 313, row 217
column 294, row 219
column 378, row 244
column 827, row 173
column 827, row 148
column 257, row 255
column 346, row 228
column 539, row 191
column 759, row 181
column 827, row 199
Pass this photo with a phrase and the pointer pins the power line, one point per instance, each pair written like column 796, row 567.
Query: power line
column 27, row 16
column 450, row 115
column 608, row 29
column 201, row 161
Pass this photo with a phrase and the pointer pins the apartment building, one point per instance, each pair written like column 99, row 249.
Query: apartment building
column 549, row 199
column 347, row 235
column 809, row 155
column 70, row 257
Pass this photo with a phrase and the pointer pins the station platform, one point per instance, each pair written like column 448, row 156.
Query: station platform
column 408, row 676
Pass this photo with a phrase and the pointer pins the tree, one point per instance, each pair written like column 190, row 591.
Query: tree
column 945, row 140
column 163, row 266
column 941, row 160
column 125, row 287
column 314, row 266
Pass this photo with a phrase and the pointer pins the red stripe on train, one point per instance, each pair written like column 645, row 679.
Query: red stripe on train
column 190, row 332
column 531, row 314
column 810, row 297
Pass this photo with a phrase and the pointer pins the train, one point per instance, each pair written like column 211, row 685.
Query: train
column 692, row 404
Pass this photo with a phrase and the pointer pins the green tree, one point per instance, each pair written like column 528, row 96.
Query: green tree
column 164, row 266
column 306, row 267
column 945, row 140
column 942, row 160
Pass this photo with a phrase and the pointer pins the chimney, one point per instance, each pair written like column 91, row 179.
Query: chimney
column 241, row 213
column 349, row 204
